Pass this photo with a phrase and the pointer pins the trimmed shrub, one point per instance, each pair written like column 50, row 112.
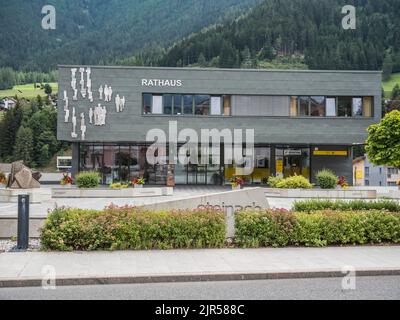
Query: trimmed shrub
column 321, row 228
column 120, row 228
column 267, row 228
column 273, row 181
column 87, row 179
column 326, row 179
column 317, row 204
column 295, row 182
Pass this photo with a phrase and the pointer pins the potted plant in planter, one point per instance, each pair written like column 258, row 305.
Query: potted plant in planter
column 237, row 183
column 342, row 183
column 138, row 182
column 66, row 180
column 3, row 180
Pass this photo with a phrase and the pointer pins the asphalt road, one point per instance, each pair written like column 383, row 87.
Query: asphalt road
column 383, row 287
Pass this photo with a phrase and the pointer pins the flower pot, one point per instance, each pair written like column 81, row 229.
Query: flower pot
column 238, row 187
column 138, row 186
column 2, row 186
column 68, row 185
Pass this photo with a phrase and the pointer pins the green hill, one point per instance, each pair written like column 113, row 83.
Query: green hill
column 308, row 32
column 98, row 31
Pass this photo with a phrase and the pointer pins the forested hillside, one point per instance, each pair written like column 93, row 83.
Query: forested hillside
column 302, row 31
column 98, row 31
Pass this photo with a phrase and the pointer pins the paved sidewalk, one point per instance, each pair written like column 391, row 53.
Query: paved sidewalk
column 81, row 268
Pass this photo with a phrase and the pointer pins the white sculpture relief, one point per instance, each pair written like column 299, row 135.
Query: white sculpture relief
column 89, row 84
column 75, row 96
column 122, row 105
column 82, row 82
column 110, row 92
column 100, row 114
column 119, row 103
column 105, row 93
column 101, row 93
column 83, row 126
column 73, row 133
column 65, row 100
column 66, row 117
column 91, row 115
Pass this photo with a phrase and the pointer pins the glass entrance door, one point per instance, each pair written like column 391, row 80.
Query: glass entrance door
column 291, row 161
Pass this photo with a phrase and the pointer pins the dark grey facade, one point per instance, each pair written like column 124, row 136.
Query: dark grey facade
column 262, row 100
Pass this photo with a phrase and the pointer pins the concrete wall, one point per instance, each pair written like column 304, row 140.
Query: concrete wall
column 131, row 125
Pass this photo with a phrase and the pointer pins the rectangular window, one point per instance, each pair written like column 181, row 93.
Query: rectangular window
column 147, row 100
column 216, row 106
column 167, row 101
column 293, row 106
column 304, row 103
column 357, row 107
column 366, row 170
column 317, row 105
column 331, row 107
column 227, row 105
column 202, row 105
column 157, row 107
column 187, row 104
column 367, row 182
column 177, row 104
column 344, row 106
column 367, row 107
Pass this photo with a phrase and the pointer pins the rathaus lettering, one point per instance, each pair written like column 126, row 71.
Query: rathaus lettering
column 161, row 83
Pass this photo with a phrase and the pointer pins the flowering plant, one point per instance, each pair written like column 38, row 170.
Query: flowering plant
column 138, row 181
column 3, row 178
column 342, row 182
column 66, row 179
column 237, row 181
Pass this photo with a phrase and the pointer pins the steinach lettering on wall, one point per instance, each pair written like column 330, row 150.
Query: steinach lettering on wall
column 161, row 83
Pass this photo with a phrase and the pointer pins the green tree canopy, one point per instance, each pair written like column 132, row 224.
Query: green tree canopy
column 383, row 143
column 24, row 145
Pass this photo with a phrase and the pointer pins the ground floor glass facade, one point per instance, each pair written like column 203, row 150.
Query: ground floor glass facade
column 123, row 162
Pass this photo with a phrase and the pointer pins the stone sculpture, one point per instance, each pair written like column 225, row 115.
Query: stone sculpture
column 21, row 177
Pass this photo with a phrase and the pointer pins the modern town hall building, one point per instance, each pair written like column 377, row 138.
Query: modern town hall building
column 303, row 121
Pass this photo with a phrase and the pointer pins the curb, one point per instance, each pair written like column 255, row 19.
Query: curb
column 104, row 280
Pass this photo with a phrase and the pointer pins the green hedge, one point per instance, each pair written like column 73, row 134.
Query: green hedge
column 130, row 228
column 322, row 228
column 316, row 204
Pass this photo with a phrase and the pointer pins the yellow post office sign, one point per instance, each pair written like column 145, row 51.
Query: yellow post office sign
column 330, row 153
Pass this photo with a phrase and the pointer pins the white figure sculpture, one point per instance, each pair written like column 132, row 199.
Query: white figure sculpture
column 91, row 115
column 118, row 103
column 65, row 100
column 66, row 118
column 73, row 73
column 75, row 96
column 83, row 126
column 110, row 92
column 73, row 133
column 104, row 114
column 97, row 115
column 65, row 94
column 122, row 103
column 101, row 93
column 105, row 93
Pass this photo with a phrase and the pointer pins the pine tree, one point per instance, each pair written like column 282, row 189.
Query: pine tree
column 387, row 67
column 23, row 149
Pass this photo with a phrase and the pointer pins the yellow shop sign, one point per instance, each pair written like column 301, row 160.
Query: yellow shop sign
column 330, row 153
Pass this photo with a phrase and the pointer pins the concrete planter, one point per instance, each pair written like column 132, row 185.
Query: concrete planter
column 321, row 193
column 111, row 193
column 2, row 186
column 236, row 187
column 138, row 186
column 38, row 195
